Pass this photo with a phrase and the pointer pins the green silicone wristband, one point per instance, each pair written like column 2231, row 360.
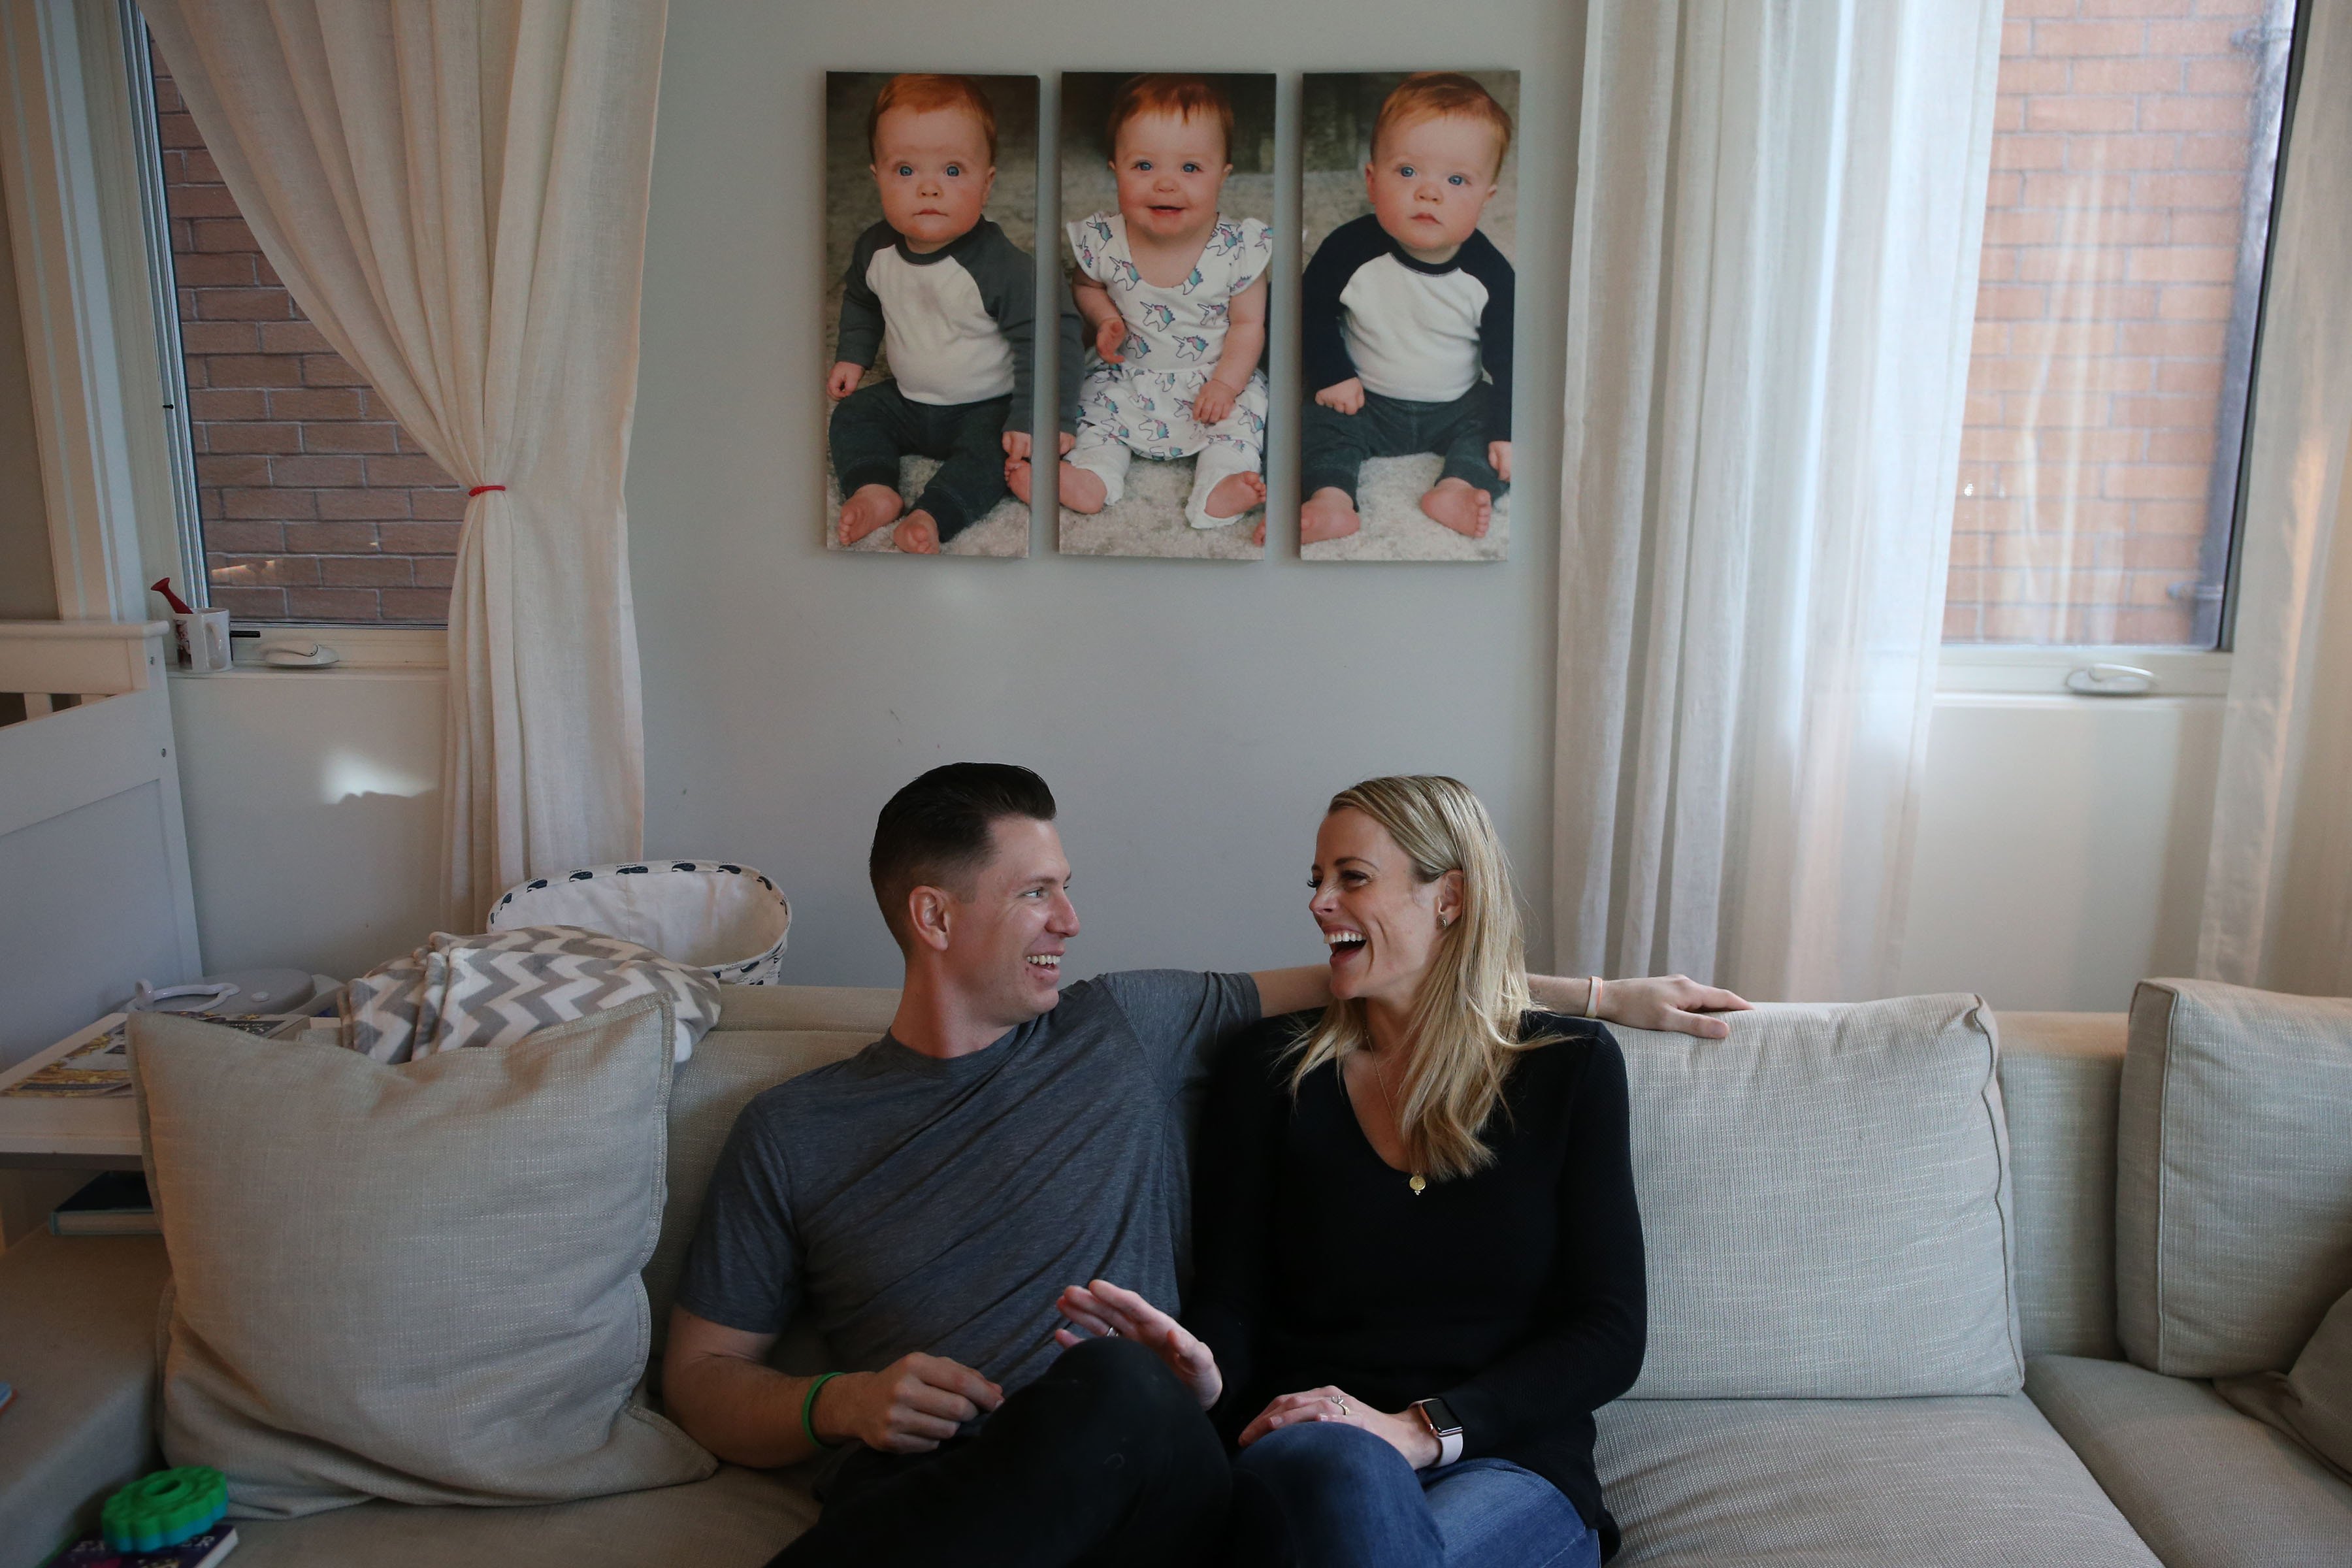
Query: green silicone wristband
column 808, row 1408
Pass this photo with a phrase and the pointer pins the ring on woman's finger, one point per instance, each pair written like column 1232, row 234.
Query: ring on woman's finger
column 1341, row 1400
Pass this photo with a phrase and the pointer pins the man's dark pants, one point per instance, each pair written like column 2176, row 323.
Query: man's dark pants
column 1106, row 1459
column 1332, row 446
column 876, row 425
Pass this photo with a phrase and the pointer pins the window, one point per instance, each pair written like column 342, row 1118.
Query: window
column 310, row 503
column 2126, row 228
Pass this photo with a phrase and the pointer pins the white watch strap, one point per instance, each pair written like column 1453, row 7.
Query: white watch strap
column 1449, row 1448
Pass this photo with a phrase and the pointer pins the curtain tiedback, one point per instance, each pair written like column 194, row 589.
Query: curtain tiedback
column 1772, row 285
column 2278, row 883
column 455, row 195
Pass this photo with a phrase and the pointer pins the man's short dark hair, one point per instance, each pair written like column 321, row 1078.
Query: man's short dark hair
column 935, row 832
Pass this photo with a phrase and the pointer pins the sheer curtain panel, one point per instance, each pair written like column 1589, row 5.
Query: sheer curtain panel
column 456, row 194
column 1772, row 286
column 2278, row 881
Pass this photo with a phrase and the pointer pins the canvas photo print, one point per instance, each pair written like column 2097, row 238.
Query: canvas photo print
column 930, row 341
column 1410, row 201
column 1167, row 213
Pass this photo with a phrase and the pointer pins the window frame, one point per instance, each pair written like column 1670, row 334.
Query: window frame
column 358, row 645
column 2194, row 668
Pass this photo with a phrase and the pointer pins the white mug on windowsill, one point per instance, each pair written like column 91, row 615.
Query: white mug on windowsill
column 203, row 636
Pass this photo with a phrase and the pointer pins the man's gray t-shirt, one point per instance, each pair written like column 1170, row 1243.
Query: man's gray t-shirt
column 912, row 1203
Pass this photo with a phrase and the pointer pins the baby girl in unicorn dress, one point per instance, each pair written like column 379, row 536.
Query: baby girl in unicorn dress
column 1173, row 295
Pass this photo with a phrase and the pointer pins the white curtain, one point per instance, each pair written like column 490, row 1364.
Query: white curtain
column 2278, row 882
column 1772, row 286
column 456, row 194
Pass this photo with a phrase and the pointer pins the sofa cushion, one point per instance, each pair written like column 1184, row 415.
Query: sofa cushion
column 737, row 1518
column 2060, row 1076
column 2234, row 1194
column 1852, row 1483
column 78, row 1320
column 2313, row 1404
column 2205, row 1486
column 416, row 1282
column 1825, row 1205
column 854, row 1009
column 705, row 1096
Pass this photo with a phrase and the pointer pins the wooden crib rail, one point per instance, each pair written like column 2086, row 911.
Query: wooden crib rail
column 44, row 660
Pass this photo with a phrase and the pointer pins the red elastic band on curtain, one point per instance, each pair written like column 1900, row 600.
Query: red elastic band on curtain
column 480, row 489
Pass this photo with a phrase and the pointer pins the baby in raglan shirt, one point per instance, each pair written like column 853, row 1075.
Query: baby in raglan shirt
column 1407, row 316
column 953, row 300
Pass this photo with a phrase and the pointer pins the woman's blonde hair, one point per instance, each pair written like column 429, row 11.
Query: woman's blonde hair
column 1463, row 1033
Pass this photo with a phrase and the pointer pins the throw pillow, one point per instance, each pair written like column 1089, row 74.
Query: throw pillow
column 2233, row 1178
column 1825, row 1205
column 2314, row 1401
column 492, row 990
column 417, row 1282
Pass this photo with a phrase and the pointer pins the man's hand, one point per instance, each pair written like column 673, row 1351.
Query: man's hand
column 1674, row 1002
column 844, row 379
column 1018, row 445
column 1498, row 457
column 1102, row 1307
column 1212, row 403
column 1110, row 333
column 1346, row 397
column 1405, row 1431
column 910, row 1406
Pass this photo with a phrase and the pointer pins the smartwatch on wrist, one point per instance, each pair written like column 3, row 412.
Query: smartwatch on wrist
column 1439, row 1418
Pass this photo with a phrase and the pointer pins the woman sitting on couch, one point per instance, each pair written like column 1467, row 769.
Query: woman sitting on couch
column 1419, row 1254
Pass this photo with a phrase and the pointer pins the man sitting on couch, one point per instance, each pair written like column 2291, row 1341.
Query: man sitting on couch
column 928, row 1198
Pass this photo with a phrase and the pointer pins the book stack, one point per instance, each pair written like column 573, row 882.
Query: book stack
column 199, row 1551
column 114, row 1203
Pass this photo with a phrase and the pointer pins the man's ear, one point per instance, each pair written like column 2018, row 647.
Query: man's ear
column 928, row 920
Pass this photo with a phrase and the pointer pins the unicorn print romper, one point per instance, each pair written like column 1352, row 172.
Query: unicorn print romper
column 1144, row 403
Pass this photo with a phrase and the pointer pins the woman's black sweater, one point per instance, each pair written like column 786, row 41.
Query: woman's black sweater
column 1516, row 1294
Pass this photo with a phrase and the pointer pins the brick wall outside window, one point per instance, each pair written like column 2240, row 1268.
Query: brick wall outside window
column 2120, row 161
column 316, row 505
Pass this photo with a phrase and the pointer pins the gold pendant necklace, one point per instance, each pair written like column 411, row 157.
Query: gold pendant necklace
column 1416, row 1181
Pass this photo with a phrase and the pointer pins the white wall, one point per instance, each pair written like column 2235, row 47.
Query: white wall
column 2062, row 847
column 29, row 590
column 314, row 814
column 1191, row 716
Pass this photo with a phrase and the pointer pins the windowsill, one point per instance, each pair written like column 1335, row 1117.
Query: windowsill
column 356, row 647
column 2010, row 669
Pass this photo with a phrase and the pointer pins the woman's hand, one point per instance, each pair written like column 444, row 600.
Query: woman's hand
column 1670, row 1002
column 1405, row 1432
column 1102, row 1307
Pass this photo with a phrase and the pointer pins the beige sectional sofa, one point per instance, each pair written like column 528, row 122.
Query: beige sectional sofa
column 1917, row 1298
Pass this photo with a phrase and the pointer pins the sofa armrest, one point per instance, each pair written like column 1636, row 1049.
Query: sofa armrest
column 78, row 1340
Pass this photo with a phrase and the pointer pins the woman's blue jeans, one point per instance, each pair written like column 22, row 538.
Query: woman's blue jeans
column 1327, row 1495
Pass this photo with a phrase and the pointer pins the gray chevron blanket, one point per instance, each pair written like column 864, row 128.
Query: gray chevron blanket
column 492, row 990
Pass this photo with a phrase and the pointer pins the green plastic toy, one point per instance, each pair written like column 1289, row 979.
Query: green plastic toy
column 164, row 1509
